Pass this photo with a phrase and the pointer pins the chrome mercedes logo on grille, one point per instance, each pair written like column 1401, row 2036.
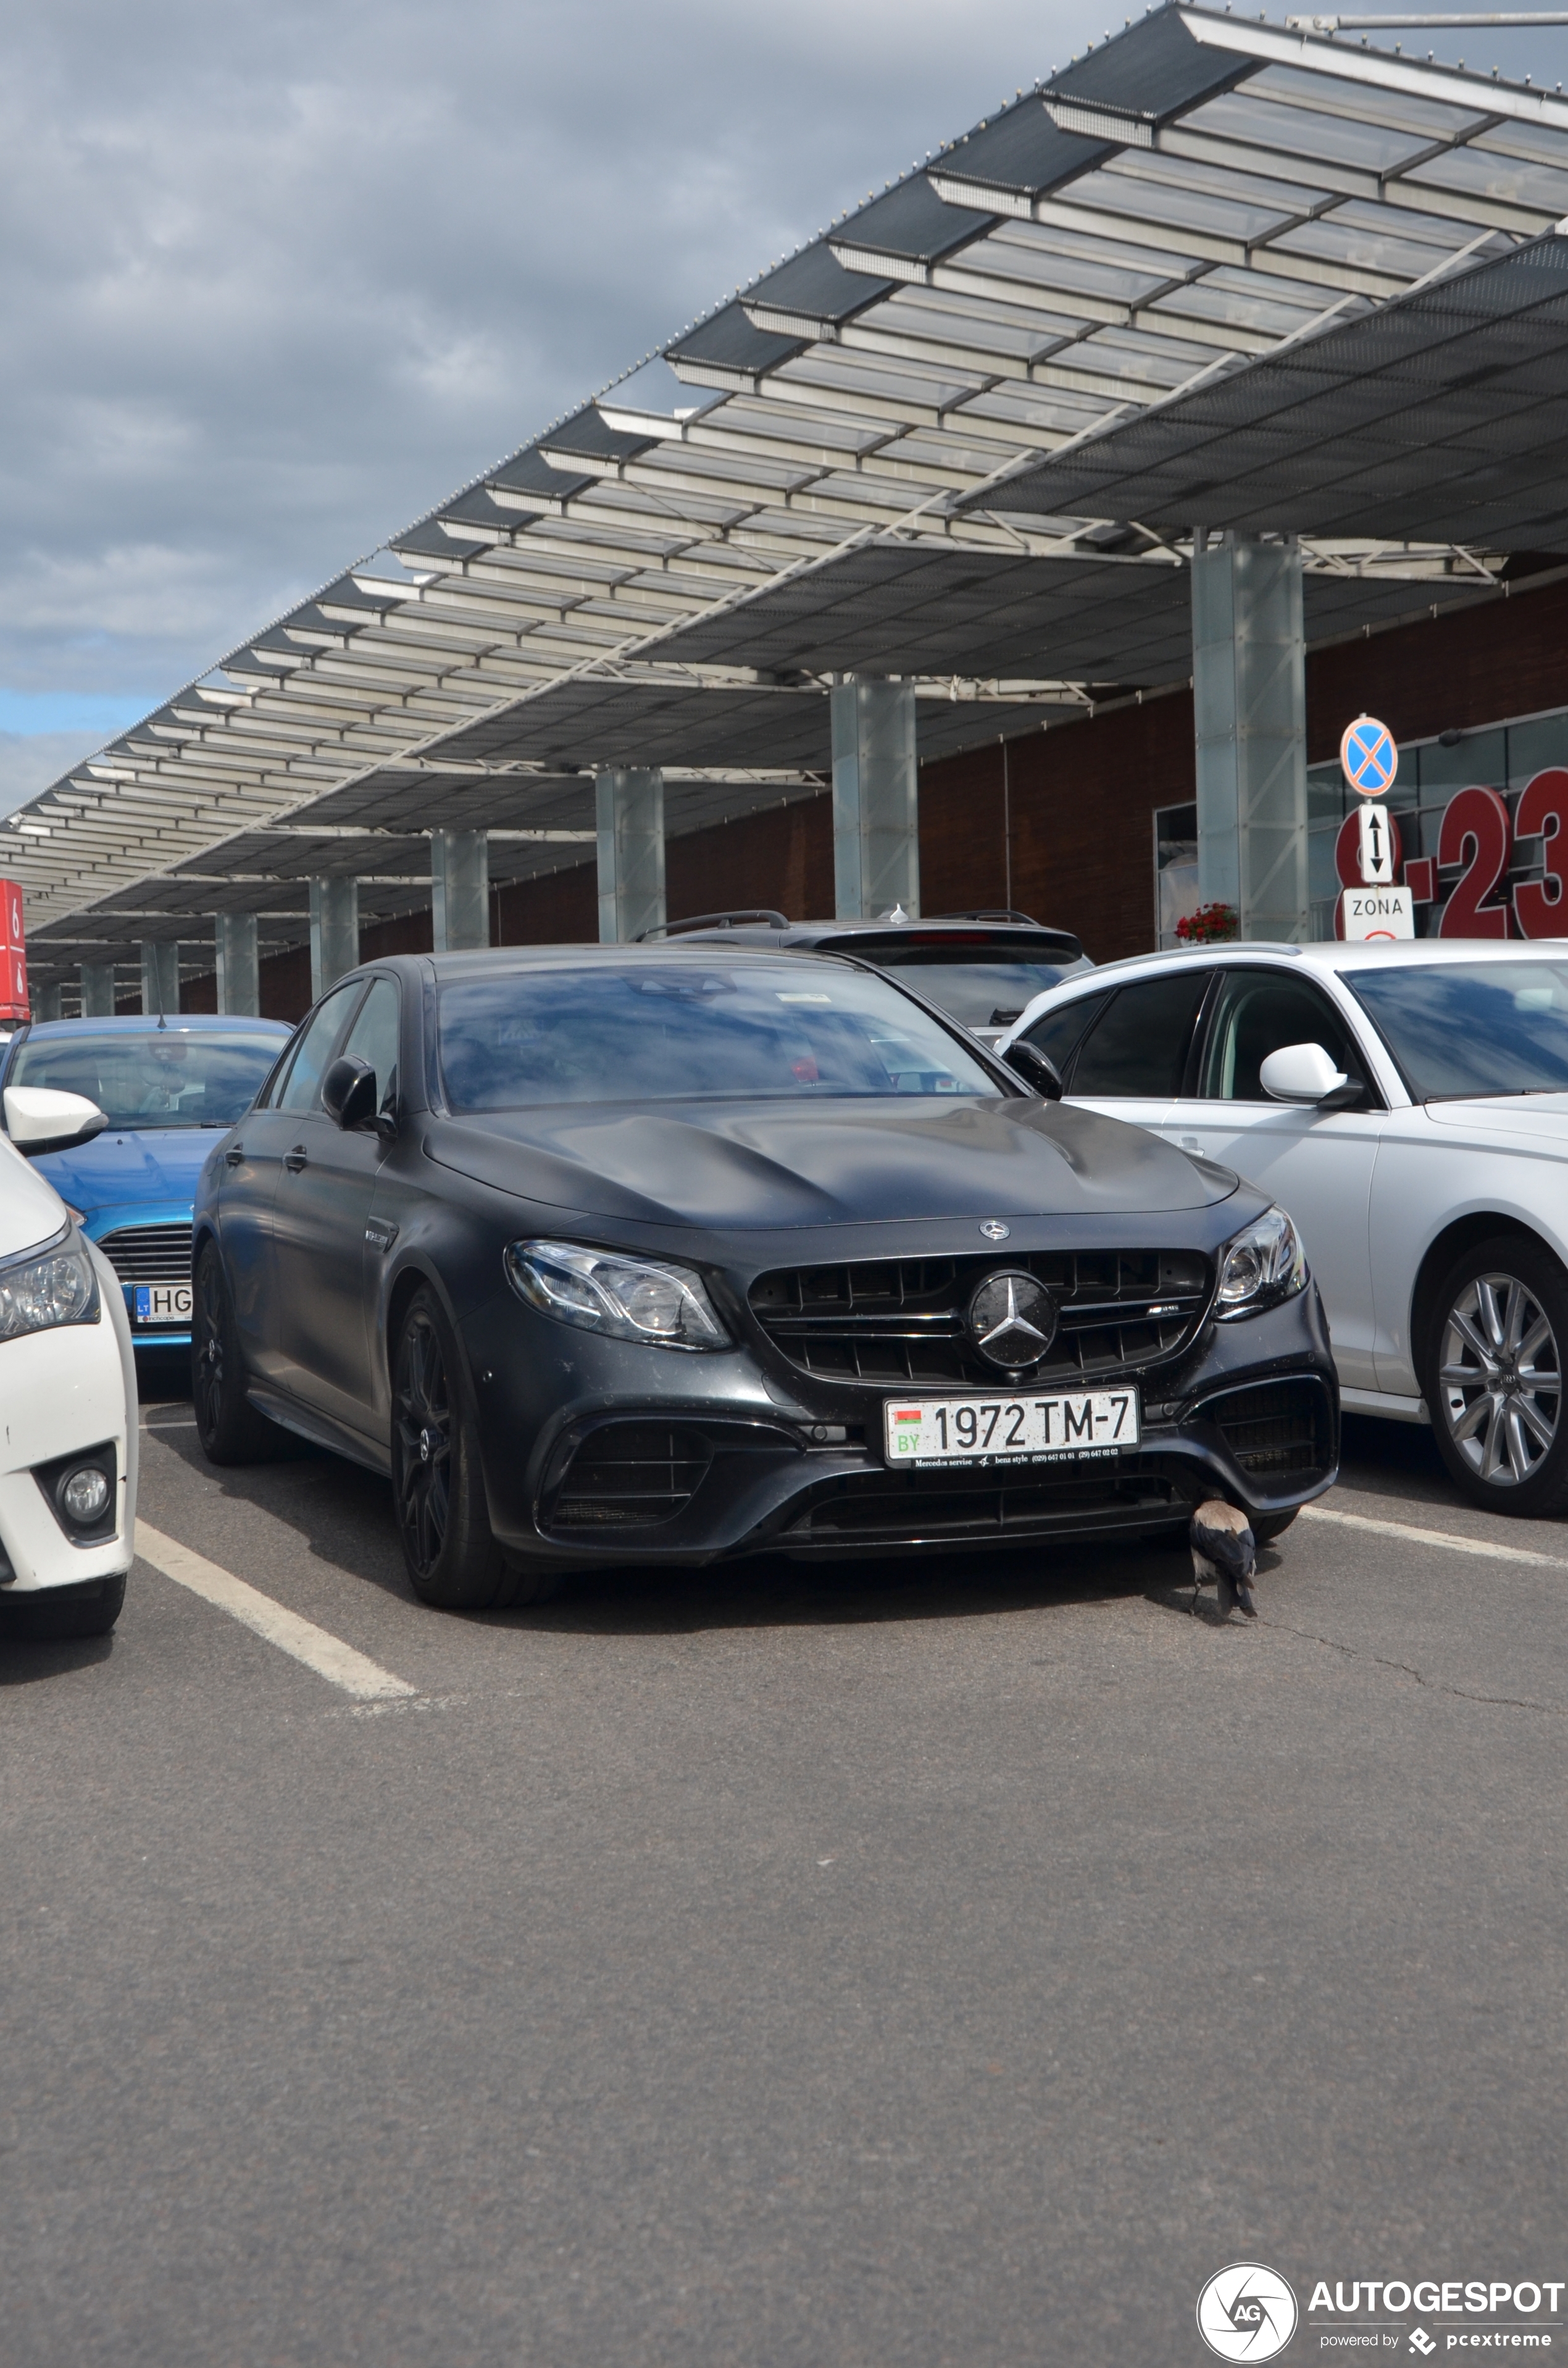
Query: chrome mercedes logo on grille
column 1012, row 1319
column 995, row 1230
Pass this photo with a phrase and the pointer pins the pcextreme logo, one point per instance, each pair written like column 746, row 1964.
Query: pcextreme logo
column 1246, row 2312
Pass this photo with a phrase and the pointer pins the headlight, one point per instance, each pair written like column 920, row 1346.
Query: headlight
column 625, row 1298
column 1261, row 1267
column 61, row 1287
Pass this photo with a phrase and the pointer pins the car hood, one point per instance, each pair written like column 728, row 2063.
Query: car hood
column 30, row 1210
column 1494, row 1119
column 757, row 1165
column 130, row 1166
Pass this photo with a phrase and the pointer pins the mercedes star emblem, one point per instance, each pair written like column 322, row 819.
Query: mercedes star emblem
column 1012, row 1319
column 995, row 1230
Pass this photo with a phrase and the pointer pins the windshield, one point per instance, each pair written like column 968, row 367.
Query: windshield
column 165, row 1077
column 659, row 1033
column 983, row 990
column 1472, row 1027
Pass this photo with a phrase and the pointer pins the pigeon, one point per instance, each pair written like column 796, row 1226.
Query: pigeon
column 1224, row 1550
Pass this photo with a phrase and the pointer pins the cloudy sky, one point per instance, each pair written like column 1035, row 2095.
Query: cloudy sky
column 278, row 275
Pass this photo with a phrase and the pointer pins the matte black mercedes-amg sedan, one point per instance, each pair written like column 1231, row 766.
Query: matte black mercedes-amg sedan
column 664, row 1254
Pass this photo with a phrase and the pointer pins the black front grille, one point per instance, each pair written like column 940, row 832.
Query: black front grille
column 902, row 1320
column 149, row 1253
column 629, row 1474
column 978, row 1506
column 1278, row 1428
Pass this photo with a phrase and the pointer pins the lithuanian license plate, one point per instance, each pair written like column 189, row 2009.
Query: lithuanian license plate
column 1059, row 1429
column 162, row 1303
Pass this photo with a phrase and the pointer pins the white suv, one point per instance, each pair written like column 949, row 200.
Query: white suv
column 1408, row 1104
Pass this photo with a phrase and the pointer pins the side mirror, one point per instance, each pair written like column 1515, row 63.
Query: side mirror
column 1301, row 1073
column 349, row 1092
column 39, row 1119
column 1040, row 1074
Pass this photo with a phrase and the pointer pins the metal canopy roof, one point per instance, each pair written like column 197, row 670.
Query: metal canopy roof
column 1443, row 415
column 1183, row 202
column 903, row 609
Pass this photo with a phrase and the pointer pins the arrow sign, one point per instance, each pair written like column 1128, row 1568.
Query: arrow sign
column 1376, row 847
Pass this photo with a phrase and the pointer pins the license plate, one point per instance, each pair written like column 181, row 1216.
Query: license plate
column 162, row 1302
column 1061, row 1429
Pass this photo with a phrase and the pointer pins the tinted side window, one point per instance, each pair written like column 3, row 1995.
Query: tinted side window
column 303, row 1083
column 1057, row 1033
column 1255, row 1013
column 1138, row 1044
column 373, row 1037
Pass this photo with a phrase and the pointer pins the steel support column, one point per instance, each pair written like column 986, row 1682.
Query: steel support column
column 460, row 890
column 1250, row 720
column 97, row 990
column 334, row 932
column 876, row 801
column 630, row 815
column 238, row 965
column 160, row 978
column 44, row 1002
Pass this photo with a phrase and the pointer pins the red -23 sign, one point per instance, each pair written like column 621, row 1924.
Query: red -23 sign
column 1477, row 840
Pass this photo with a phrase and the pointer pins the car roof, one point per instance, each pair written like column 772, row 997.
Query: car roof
column 484, row 959
column 967, row 930
column 1331, row 955
column 178, row 1022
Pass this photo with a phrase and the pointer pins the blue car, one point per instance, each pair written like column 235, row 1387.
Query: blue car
column 166, row 1087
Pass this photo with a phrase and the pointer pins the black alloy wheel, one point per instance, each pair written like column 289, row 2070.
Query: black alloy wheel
column 231, row 1430
column 1495, row 1376
column 443, row 1520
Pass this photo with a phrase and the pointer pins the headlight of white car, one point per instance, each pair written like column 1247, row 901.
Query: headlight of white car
column 1260, row 1266
column 627, row 1298
column 58, row 1287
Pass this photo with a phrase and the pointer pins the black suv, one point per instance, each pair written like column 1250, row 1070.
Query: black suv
column 982, row 968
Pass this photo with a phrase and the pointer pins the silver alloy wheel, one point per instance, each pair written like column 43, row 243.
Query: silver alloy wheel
column 1501, row 1376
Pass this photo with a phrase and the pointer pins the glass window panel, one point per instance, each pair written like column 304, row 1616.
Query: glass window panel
column 373, row 1039
column 1297, row 134
column 1326, row 92
column 1506, row 179
column 1178, row 209
column 1472, row 1027
column 1057, row 1035
column 156, row 1077
column 301, row 1085
column 1139, row 1047
column 669, row 1033
column 1478, row 756
column 1533, row 746
column 1258, row 1013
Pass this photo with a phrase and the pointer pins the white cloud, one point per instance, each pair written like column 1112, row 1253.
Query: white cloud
column 30, row 761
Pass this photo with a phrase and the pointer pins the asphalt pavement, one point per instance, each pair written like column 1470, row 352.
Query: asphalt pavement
column 908, row 1963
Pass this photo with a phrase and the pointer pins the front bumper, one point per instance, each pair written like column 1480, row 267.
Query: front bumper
column 599, row 1453
column 64, row 1391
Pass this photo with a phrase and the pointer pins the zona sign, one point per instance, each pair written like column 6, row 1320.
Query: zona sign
column 1368, row 756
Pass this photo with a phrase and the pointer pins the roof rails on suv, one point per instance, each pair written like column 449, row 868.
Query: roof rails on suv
column 714, row 921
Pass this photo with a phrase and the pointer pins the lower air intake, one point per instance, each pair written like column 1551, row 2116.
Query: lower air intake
column 630, row 1476
column 1277, row 1431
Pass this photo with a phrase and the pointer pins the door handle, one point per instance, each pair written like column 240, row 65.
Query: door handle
column 296, row 1159
column 234, row 1154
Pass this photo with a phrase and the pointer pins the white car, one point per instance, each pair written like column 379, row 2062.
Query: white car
column 1408, row 1105
column 68, row 1405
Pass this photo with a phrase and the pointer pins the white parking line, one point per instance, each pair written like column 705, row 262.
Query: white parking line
column 338, row 1663
column 1424, row 1537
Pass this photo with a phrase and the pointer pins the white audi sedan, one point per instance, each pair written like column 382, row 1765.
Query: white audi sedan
column 68, row 1405
column 1408, row 1104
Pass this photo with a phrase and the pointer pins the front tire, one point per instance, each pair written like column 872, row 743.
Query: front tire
column 448, row 1548
column 230, row 1429
column 1494, row 1377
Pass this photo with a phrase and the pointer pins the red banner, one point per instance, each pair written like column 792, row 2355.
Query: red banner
column 13, row 954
